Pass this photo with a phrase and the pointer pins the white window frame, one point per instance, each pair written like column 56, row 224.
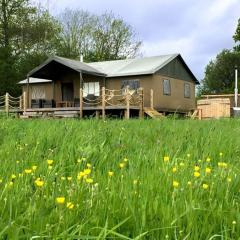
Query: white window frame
column 187, row 90
column 166, row 88
column 91, row 88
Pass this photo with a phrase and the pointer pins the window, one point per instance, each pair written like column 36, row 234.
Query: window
column 92, row 88
column 133, row 84
column 38, row 92
column 166, row 87
column 186, row 90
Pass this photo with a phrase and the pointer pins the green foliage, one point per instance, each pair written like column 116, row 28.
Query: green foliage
column 99, row 38
column 236, row 37
column 220, row 73
column 139, row 200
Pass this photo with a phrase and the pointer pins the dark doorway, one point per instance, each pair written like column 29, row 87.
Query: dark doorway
column 67, row 91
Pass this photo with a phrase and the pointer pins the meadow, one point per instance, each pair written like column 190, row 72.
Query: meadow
column 116, row 179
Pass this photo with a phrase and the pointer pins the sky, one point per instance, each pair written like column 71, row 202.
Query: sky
column 198, row 30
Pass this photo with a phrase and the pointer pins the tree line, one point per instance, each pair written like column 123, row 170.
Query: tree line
column 219, row 73
column 29, row 34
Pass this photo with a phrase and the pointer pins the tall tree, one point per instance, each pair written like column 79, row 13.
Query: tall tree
column 99, row 38
column 219, row 73
column 236, row 37
column 27, row 36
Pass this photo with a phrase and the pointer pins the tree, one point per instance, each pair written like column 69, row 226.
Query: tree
column 99, row 38
column 27, row 36
column 236, row 37
column 219, row 73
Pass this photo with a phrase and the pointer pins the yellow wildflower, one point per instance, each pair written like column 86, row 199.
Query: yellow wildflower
column 196, row 168
column 79, row 160
column 174, row 169
column 220, row 154
column 11, row 183
column 28, row 171
column 13, row 176
column 181, row 164
column 63, row 178
column 196, row 174
column 208, row 159
column 110, row 174
column 89, row 165
column 122, row 165
column 60, row 200
column 188, row 155
column 89, row 180
column 229, row 179
column 70, row 205
column 166, row 159
column 39, row 183
column 208, row 170
column 205, row 186
column 1, row 180
column 135, row 181
column 87, row 171
column 222, row 164
column 17, row 161
column 69, row 178
column 234, row 222
column 125, row 160
column 199, row 160
column 50, row 167
column 34, row 168
column 49, row 162
column 175, row 184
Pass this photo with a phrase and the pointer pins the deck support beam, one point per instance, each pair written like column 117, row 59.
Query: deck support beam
column 141, row 103
column 81, row 102
column 28, row 94
column 103, row 103
column 151, row 99
column 127, row 114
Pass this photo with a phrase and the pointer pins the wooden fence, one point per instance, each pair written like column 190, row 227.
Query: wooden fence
column 10, row 104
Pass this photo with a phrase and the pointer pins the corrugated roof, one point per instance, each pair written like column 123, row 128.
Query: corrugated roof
column 73, row 64
column 138, row 66
column 35, row 80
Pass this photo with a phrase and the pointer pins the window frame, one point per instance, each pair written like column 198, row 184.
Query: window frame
column 94, row 85
column 169, row 93
column 189, row 89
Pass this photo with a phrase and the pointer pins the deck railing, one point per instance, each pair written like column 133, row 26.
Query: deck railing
column 9, row 103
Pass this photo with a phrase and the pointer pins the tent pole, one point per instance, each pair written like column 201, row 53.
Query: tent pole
column 236, row 86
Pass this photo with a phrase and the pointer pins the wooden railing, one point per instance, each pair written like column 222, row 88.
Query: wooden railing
column 9, row 103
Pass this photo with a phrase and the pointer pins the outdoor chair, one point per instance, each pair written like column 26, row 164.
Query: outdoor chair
column 36, row 103
column 48, row 103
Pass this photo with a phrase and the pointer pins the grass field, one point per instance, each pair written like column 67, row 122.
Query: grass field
column 70, row 179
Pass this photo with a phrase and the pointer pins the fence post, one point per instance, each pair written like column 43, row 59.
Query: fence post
column 151, row 98
column 200, row 114
column 21, row 103
column 103, row 103
column 127, row 115
column 24, row 101
column 7, row 103
column 141, row 112
column 81, row 102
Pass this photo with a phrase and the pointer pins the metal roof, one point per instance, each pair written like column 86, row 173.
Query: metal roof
column 35, row 80
column 138, row 66
column 73, row 64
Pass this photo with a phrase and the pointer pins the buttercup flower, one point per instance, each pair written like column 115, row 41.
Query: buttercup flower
column 175, row 184
column 60, row 200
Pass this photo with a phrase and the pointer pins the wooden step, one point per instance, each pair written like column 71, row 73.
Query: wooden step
column 152, row 113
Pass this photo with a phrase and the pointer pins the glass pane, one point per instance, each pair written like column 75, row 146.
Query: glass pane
column 97, row 89
column 166, row 87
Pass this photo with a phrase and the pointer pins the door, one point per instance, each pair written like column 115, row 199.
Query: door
column 67, row 91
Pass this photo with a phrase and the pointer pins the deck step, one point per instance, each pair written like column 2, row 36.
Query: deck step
column 153, row 113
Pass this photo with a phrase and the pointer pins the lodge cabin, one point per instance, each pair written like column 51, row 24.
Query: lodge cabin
column 161, row 84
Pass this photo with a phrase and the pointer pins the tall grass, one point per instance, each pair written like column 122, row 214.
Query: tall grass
column 152, row 193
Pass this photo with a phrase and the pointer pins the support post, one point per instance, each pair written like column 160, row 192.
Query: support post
column 24, row 101
column 199, row 114
column 103, row 103
column 236, row 86
column 21, row 102
column 81, row 102
column 28, row 94
column 141, row 110
column 151, row 98
column 7, row 103
column 97, row 114
column 127, row 115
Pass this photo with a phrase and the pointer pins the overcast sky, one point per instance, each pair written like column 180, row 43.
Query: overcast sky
column 196, row 29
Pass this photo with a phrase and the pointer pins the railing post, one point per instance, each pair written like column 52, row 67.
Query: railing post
column 7, row 103
column 103, row 103
column 141, row 112
column 81, row 102
column 127, row 103
column 21, row 102
column 24, row 101
column 151, row 98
